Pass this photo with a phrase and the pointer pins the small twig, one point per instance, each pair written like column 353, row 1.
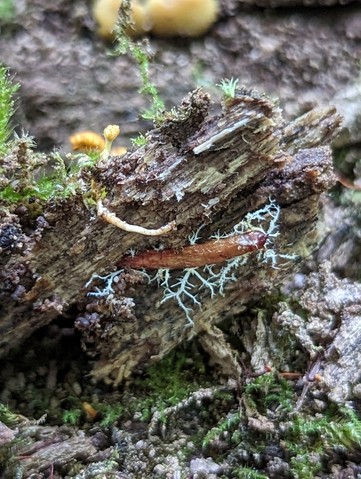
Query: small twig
column 310, row 378
column 112, row 219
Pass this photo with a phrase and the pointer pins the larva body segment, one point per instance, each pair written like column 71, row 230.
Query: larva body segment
column 194, row 256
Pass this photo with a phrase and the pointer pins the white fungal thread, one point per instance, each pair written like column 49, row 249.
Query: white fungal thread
column 112, row 219
column 185, row 287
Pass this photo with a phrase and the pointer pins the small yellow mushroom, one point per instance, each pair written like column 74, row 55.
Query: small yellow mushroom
column 106, row 14
column 90, row 141
column 110, row 134
column 87, row 141
column 181, row 17
column 190, row 18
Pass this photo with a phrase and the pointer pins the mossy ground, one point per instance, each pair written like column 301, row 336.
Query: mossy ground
column 179, row 401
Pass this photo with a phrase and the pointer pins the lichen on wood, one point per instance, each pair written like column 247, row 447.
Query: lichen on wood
column 197, row 170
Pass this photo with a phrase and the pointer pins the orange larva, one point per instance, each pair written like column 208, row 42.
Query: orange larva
column 86, row 141
column 194, row 256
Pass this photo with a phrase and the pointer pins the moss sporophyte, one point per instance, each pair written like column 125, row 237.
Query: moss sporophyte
column 198, row 264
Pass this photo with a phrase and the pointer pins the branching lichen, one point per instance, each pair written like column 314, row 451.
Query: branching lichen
column 185, row 287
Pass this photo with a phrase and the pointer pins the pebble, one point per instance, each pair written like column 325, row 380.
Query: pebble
column 202, row 467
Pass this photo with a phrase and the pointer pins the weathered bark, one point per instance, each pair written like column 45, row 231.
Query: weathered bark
column 43, row 447
column 197, row 171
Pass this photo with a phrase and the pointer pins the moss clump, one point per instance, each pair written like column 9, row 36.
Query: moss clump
column 167, row 383
column 7, row 100
column 72, row 416
column 228, row 87
column 314, row 437
column 307, row 442
column 27, row 176
column 248, row 473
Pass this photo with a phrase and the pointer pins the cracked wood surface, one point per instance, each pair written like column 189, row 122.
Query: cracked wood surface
column 195, row 169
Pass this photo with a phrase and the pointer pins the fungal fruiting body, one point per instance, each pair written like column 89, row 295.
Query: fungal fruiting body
column 194, row 256
column 162, row 17
column 106, row 15
column 190, row 18
column 209, row 266
column 110, row 133
column 86, row 141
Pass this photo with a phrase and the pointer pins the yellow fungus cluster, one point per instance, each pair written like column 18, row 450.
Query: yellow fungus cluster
column 90, row 141
column 190, row 18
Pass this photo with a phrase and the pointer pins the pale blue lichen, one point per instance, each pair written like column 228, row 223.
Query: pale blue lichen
column 184, row 288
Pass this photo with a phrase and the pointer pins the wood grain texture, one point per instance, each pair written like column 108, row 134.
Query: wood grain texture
column 243, row 157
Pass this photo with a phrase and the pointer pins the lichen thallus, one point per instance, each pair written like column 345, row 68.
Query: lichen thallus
column 203, row 266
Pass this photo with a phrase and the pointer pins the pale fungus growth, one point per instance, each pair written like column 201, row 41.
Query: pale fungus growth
column 106, row 15
column 181, row 17
column 87, row 141
column 183, row 283
column 167, row 18
column 110, row 133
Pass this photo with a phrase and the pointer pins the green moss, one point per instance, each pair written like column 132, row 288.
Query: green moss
column 9, row 418
column 311, row 438
column 7, row 97
column 248, row 473
column 167, row 383
column 229, row 425
column 139, row 52
column 308, row 440
column 72, row 416
column 10, row 465
column 267, row 391
column 228, row 88
column 139, row 141
column 110, row 413
column 26, row 175
column 7, row 10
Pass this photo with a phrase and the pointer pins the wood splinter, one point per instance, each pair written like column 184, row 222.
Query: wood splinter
column 112, row 219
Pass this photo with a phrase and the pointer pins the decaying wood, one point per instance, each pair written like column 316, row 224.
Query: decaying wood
column 44, row 447
column 196, row 170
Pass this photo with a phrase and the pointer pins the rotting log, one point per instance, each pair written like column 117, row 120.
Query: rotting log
column 195, row 169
